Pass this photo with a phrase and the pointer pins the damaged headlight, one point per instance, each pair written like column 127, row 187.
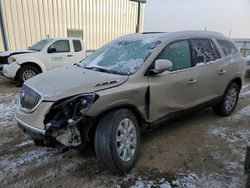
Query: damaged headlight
column 62, row 122
column 79, row 104
column 11, row 59
column 69, row 108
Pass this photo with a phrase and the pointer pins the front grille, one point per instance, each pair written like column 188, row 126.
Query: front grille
column 29, row 99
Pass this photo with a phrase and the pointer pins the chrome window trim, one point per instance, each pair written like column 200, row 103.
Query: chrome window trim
column 35, row 107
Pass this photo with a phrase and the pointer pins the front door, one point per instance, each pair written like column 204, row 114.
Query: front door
column 59, row 54
column 175, row 90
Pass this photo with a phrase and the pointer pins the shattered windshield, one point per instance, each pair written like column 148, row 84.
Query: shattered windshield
column 121, row 56
column 40, row 45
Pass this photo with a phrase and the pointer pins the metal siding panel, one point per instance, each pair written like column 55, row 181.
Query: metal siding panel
column 37, row 20
column 51, row 19
column 60, row 18
column 46, row 18
column 93, row 13
column 15, row 23
column 21, row 25
column 41, row 18
column 28, row 21
column 91, row 33
column 68, row 22
column 84, row 22
column 80, row 14
column 55, row 18
column 109, row 31
column 102, row 20
column 9, row 23
column 32, row 21
column 84, row 16
column 97, row 35
column 72, row 20
column 76, row 14
column 64, row 18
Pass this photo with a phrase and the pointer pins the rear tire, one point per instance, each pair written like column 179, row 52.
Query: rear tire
column 117, row 140
column 229, row 101
column 26, row 72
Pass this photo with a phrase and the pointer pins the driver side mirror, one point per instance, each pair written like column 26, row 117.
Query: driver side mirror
column 51, row 50
column 162, row 65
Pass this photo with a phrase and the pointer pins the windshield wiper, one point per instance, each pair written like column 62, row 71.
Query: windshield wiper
column 100, row 69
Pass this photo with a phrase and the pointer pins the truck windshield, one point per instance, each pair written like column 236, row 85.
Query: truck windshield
column 40, row 45
column 122, row 56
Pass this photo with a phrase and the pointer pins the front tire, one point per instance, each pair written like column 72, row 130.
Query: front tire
column 26, row 72
column 117, row 140
column 229, row 101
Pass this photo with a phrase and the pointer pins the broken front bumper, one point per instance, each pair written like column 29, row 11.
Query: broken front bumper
column 32, row 123
column 247, row 162
column 10, row 70
column 29, row 128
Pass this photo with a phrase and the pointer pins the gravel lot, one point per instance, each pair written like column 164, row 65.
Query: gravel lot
column 202, row 150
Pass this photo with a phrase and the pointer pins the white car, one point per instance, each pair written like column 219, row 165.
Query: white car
column 43, row 56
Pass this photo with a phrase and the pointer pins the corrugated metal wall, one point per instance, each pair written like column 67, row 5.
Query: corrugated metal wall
column 28, row 21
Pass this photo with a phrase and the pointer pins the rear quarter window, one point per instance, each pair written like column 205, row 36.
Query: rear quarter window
column 227, row 47
column 77, row 45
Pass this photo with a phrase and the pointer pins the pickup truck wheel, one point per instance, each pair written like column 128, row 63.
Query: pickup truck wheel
column 26, row 72
column 228, row 102
column 117, row 140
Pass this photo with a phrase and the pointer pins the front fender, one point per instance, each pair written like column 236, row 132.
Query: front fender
column 23, row 60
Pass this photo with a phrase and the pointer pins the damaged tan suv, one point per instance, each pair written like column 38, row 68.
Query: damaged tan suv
column 131, row 84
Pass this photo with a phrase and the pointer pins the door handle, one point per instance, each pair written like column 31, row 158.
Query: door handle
column 69, row 55
column 221, row 72
column 191, row 81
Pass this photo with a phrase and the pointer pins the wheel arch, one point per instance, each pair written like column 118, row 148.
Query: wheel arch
column 236, row 80
column 141, row 120
column 36, row 65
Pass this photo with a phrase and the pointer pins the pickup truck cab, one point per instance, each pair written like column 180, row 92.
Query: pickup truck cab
column 45, row 55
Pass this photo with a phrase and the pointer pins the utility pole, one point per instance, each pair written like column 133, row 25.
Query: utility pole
column 138, row 14
column 2, row 28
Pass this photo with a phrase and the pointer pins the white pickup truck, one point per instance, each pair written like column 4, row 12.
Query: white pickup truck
column 43, row 56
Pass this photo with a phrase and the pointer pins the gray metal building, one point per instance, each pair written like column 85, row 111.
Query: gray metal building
column 24, row 22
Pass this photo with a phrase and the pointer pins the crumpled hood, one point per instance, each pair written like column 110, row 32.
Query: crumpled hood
column 8, row 53
column 72, row 80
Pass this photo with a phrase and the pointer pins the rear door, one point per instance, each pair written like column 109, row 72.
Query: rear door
column 229, row 69
column 209, row 69
column 175, row 90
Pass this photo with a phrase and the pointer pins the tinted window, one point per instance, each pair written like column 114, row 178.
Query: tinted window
column 60, row 46
column 178, row 53
column 227, row 47
column 77, row 45
column 203, row 51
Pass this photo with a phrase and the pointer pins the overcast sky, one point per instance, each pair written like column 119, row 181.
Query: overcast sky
column 216, row 15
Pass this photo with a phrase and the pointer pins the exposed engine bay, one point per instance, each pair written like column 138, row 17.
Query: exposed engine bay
column 65, row 120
